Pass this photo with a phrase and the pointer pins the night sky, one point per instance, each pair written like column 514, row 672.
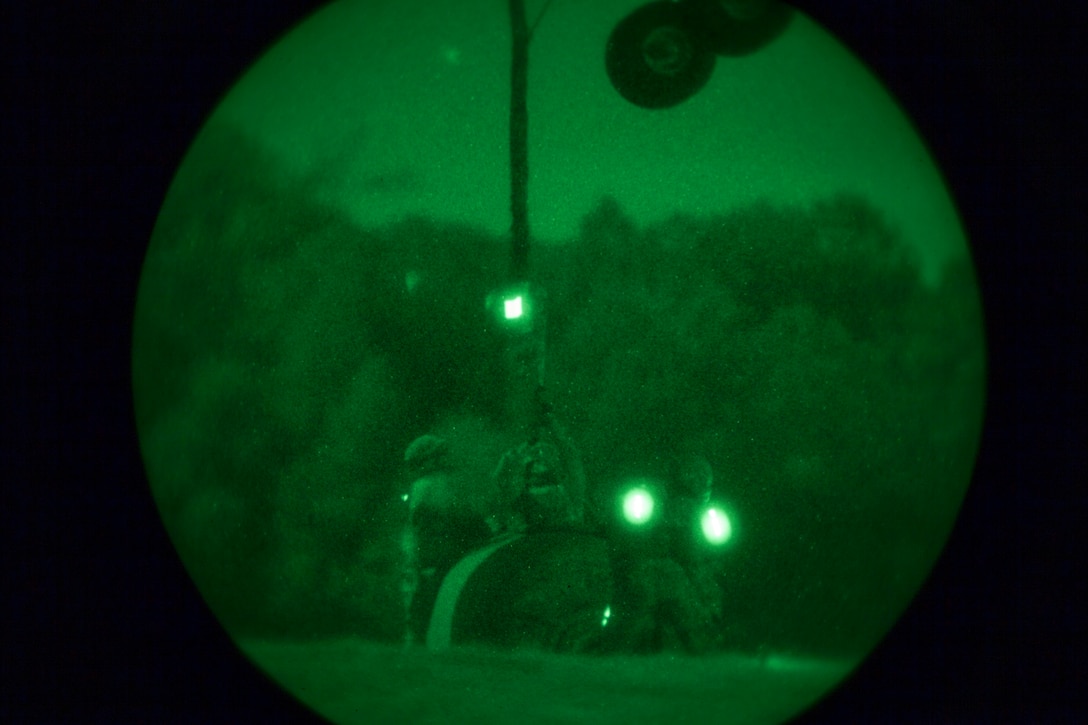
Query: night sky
column 403, row 107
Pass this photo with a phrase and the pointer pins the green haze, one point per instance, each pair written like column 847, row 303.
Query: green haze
column 765, row 286
column 395, row 104
column 282, row 363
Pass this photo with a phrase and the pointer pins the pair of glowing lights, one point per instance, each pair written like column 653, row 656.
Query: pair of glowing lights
column 639, row 507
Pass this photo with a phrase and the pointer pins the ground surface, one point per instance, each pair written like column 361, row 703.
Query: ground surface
column 352, row 681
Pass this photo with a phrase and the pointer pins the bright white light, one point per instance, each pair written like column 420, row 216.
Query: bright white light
column 607, row 614
column 512, row 308
column 638, row 505
column 716, row 526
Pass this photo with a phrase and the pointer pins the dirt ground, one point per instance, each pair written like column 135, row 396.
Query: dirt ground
column 352, row 681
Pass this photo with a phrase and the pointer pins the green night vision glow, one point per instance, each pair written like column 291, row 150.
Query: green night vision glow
column 631, row 297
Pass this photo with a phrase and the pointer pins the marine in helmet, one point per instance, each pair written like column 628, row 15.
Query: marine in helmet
column 692, row 482
column 540, row 484
column 441, row 527
column 665, row 594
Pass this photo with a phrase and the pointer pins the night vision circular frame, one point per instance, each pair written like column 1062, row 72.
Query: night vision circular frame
column 580, row 361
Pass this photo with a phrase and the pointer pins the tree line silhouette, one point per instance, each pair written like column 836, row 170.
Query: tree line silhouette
column 284, row 357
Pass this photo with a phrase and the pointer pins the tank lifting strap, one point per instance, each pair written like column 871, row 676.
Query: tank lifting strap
column 440, row 629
